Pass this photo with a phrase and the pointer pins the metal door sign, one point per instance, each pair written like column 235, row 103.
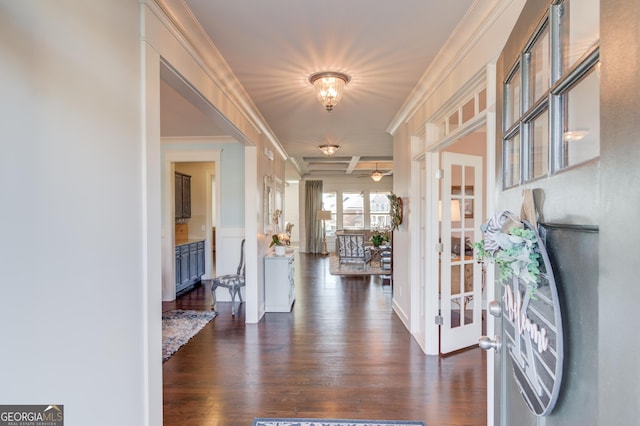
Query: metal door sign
column 533, row 335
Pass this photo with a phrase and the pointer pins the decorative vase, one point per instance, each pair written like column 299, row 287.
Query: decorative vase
column 280, row 250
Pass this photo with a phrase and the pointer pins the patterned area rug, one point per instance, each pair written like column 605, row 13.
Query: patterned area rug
column 326, row 422
column 372, row 268
column 179, row 326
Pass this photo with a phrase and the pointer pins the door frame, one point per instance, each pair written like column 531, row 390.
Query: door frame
column 168, row 229
column 434, row 145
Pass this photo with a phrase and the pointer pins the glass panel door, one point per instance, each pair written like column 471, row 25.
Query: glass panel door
column 461, row 276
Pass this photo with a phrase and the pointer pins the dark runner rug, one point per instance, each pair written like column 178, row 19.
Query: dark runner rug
column 327, row 422
column 179, row 326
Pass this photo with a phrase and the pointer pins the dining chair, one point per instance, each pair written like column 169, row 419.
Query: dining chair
column 232, row 282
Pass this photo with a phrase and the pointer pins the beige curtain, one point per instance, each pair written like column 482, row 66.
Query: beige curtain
column 313, row 227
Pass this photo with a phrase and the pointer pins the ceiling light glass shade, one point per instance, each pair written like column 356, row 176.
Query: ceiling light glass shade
column 377, row 175
column 329, row 149
column 329, row 87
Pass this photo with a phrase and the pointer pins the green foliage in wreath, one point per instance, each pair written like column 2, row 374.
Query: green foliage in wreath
column 511, row 247
column 396, row 211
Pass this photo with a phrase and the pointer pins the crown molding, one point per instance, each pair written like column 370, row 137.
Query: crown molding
column 477, row 21
column 182, row 23
column 219, row 140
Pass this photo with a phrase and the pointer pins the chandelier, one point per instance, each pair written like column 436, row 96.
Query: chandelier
column 329, row 87
column 329, row 149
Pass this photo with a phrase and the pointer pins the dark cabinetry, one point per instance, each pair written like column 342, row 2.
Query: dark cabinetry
column 183, row 196
column 189, row 264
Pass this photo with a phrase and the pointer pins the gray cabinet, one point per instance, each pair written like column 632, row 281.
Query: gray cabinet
column 189, row 264
column 183, row 196
column 279, row 282
column 200, row 258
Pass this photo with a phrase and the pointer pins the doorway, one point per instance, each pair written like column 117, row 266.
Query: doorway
column 201, row 165
column 453, row 209
column 461, row 280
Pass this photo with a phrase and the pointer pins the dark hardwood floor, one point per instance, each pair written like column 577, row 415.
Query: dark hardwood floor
column 341, row 353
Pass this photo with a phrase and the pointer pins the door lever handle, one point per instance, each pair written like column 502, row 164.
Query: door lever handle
column 487, row 343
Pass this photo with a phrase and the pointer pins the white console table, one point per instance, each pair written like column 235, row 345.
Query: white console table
column 279, row 282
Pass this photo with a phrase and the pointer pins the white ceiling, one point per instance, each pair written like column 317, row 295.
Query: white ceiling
column 273, row 46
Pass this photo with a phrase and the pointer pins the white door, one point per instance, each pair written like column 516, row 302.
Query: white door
column 460, row 275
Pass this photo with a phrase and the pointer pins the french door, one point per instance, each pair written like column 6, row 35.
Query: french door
column 460, row 275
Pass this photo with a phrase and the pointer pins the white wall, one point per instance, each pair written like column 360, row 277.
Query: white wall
column 477, row 43
column 74, row 272
column 292, row 209
column 198, row 223
column 230, row 173
column 402, row 254
column 187, row 50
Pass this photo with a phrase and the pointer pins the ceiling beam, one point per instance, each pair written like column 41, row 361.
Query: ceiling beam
column 352, row 164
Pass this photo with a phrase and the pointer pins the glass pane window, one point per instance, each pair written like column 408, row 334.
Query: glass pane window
column 581, row 130
column 329, row 202
column 353, row 210
column 539, row 146
column 579, row 30
column 453, row 122
column 379, row 207
column 512, row 104
column 539, row 73
column 482, row 100
column 552, row 96
column 511, row 160
column 469, row 110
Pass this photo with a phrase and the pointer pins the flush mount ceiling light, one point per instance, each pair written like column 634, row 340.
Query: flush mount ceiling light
column 329, row 87
column 377, row 174
column 329, row 149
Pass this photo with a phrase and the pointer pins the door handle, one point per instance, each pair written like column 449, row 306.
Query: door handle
column 495, row 308
column 487, row 343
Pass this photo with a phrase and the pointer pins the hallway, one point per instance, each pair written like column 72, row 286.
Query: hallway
column 341, row 353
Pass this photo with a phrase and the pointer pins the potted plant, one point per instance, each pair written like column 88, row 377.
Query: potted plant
column 279, row 242
column 378, row 238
